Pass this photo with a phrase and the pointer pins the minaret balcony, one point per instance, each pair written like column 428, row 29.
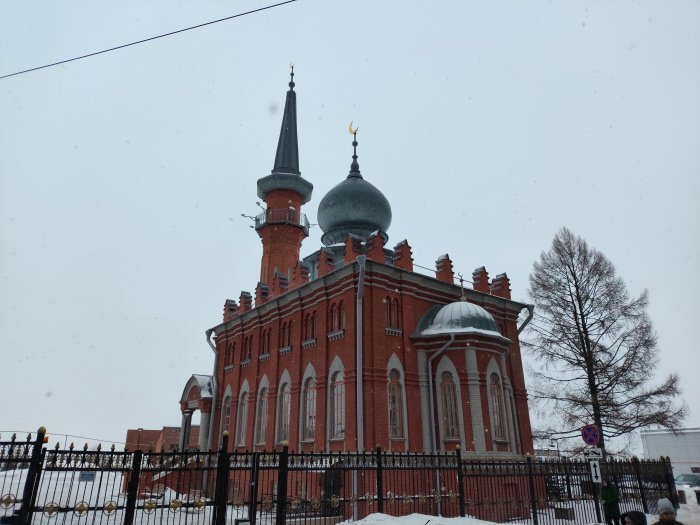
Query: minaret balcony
column 282, row 216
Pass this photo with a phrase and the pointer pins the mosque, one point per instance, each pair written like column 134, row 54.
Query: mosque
column 349, row 348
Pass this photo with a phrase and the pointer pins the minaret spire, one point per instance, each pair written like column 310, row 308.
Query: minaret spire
column 287, row 158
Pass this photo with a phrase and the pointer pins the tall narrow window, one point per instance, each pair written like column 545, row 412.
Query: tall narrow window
column 395, row 405
column 333, row 320
column 337, row 406
column 308, row 422
column 242, row 419
column 283, row 335
column 283, row 408
column 448, row 397
column 497, row 413
column 261, row 417
column 392, row 312
column 225, row 418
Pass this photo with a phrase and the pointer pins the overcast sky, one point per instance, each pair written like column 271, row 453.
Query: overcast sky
column 488, row 126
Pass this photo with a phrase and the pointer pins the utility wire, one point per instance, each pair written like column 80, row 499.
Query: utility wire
column 148, row 39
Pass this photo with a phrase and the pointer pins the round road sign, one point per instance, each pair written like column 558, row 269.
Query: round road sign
column 590, row 435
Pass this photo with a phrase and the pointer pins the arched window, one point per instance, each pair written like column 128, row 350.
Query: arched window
column 498, row 426
column 225, row 417
column 283, row 335
column 337, row 412
column 242, row 419
column 263, row 343
column 395, row 405
column 261, row 417
column 308, row 415
column 289, row 333
column 392, row 312
column 448, row 398
column 283, row 409
column 332, row 318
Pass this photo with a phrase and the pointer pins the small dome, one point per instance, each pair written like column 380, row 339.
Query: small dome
column 461, row 317
column 356, row 207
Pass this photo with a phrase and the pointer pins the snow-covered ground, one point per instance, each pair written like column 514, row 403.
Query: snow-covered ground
column 689, row 514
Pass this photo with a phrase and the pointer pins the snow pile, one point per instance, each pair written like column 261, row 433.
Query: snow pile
column 417, row 519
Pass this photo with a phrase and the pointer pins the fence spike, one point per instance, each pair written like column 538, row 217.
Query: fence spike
column 72, row 446
column 99, row 447
column 85, row 447
column 14, row 437
column 57, row 445
column 112, row 447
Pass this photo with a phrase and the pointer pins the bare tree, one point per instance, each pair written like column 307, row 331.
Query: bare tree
column 596, row 345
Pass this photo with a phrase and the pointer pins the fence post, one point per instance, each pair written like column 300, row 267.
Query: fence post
column 533, row 496
column 133, row 488
column 32, row 481
column 638, row 474
column 223, row 466
column 460, row 481
column 281, row 507
column 670, row 482
column 380, row 481
column 253, row 493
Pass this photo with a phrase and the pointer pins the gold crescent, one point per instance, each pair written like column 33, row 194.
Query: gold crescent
column 351, row 130
column 291, row 64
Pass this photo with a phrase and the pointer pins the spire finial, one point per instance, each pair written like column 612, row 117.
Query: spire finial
column 291, row 76
column 461, row 287
column 354, row 167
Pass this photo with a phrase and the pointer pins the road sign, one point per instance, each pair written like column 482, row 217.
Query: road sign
column 595, row 470
column 590, row 434
column 592, row 453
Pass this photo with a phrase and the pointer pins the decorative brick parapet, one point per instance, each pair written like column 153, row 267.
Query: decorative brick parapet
column 444, row 271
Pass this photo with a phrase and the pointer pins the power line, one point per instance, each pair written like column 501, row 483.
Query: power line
column 148, row 39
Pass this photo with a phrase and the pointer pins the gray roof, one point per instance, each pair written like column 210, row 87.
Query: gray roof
column 459, row 317
column 285, row 173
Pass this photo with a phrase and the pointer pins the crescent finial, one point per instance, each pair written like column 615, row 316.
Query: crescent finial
column 352, row 132
column 291, row 65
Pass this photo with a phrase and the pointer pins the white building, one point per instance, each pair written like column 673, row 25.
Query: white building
column 683, row 447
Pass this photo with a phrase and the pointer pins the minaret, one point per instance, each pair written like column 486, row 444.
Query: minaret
column 282, row 226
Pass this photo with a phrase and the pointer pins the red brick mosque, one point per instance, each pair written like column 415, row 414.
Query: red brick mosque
column 348, row 348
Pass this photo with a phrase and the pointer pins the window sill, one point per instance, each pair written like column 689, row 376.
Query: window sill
column 246, row 362
column 338, row 334
column 285, row 350
column 452, row 440
column 501, row 441
column 264, row 357
column 228, row 368
column 393, row 331
column 308, row 441
column 337, row 438
column 397, row 438
column 308, row 343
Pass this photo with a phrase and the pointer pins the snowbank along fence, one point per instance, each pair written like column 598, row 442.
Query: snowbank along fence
column 105, row 487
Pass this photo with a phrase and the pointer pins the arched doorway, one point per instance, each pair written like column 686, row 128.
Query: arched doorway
column 196, row 396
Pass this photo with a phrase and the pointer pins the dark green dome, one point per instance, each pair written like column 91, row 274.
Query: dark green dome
column 353, row 207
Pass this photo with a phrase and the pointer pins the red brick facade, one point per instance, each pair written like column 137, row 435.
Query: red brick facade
column 359, row 306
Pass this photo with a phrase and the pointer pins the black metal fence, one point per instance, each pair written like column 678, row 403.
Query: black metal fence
column 96, row 487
